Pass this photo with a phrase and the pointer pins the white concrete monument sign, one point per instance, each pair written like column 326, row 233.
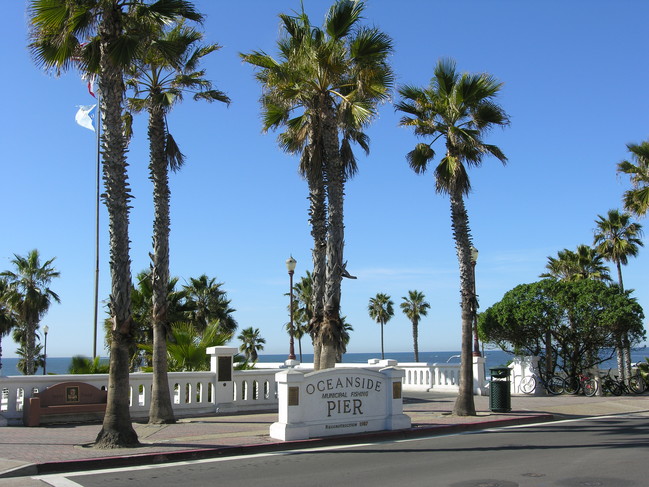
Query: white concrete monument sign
column 338, row 401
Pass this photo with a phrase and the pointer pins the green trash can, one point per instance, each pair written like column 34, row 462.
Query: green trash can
column 500, row 399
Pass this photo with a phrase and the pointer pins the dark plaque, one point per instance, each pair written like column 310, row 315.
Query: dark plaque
column 293, row 396
column 396, row 390
column 225, row 369
column 72, row 394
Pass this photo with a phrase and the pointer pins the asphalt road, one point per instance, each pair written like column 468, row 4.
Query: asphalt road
column 603, row 452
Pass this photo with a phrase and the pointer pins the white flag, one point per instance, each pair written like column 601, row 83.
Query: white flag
column 86, row 116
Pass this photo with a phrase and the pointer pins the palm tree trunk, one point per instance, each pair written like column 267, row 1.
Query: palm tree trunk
column 464, row 405
column 318, row 219
column 331, row 332
column 625, row 371
column 30, row 346
column 161, row 410
column 117, row 429
column 415, row 335
column 382, row 348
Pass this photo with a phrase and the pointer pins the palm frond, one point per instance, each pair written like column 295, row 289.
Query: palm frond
column 419, row 157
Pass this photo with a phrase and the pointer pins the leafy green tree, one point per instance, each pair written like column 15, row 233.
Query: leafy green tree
column 85, row 365
column 459, row 109
column 208, row 304
column 381, row 310
column 616, row 239
column 29, row 296
column 584, row 263
column 522, row 322
column 251, row 343
column 583, row 318
column 105, row 37
column 636, row 200
column 414, row 306
column 168, row 68
column 324, row 90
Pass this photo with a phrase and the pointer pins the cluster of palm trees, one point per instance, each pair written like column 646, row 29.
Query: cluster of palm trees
column 322, row 91
column 414, row 306
column 25, row 297
column 149, row 47
column 201, row 304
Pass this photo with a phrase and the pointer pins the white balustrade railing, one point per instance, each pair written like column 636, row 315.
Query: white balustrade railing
column 203, row 393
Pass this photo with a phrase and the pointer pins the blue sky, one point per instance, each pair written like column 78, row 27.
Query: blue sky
column 575, row 86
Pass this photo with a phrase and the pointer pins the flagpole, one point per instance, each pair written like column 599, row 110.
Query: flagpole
column 98, row 118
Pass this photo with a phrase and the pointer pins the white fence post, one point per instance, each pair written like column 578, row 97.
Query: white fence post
column 479, row 376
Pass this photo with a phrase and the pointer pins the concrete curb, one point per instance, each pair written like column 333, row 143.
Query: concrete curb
column 228, row 451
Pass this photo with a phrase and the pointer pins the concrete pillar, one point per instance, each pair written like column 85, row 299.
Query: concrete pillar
column 221, row 364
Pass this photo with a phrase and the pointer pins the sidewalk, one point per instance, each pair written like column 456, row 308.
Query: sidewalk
column 63, row 448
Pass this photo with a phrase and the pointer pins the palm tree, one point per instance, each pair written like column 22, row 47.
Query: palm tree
column 251, row 343
column 85, row 365
column 187, row 348
column 208, row 304
column 414, row 307
column 616, row 239
column 167, row 69
column 381, row 310
column 636, row 200
column 104, row 37
column 302, row 309
column 29, row 296
column 584, row 263
column 8, row 319
column 459, row 109
column 324, row 90
column 142, row 313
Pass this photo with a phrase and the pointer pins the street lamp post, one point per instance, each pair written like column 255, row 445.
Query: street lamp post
column 476, row 345
column 45, row 330
column 290, row 265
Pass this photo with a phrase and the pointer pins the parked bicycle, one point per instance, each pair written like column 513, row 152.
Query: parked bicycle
column 581, row 382
column 553, row 386
column 612, row 384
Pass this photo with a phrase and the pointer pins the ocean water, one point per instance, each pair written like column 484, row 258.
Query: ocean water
column 494, row 358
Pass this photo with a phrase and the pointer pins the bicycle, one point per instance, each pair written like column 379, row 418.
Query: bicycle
column 581, row 382
column 635, row 385
column 553, row 386
column 611, row 385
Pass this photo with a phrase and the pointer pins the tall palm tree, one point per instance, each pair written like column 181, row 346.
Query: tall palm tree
column 8, row 319
column 167, row 69
column 584, row 263
column 636, row 200
column 105, row 37
column 381, row 310
column 251, row 343
column 29, row 296
column 459, row 109
column 414, row 306
column 616, row 239
column 208, row 303
column 324, row 90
